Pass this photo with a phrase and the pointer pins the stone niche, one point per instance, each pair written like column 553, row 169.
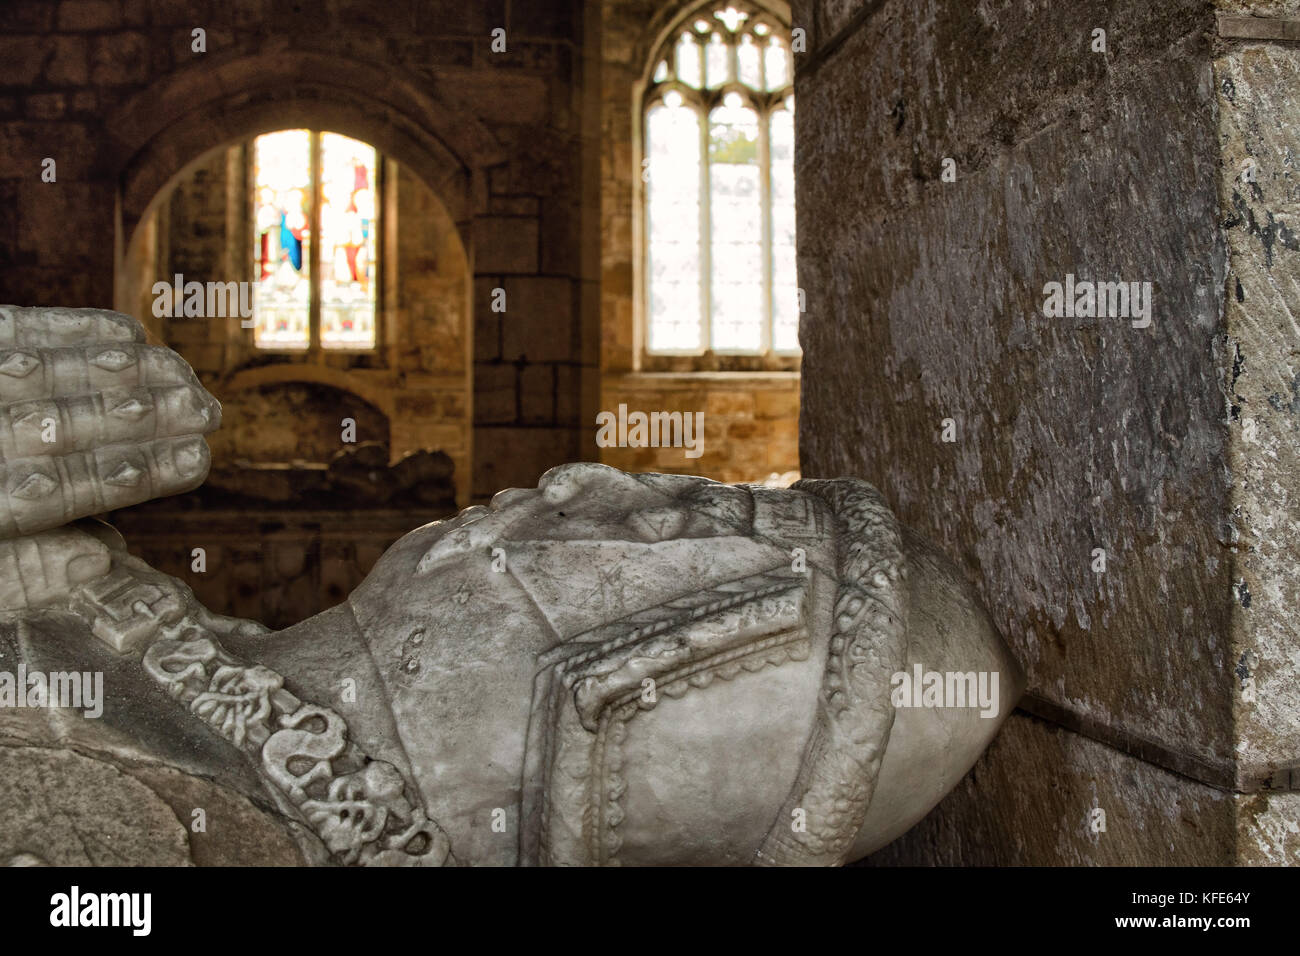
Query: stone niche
column 290, row 422
column 410, row 393
column 291, row 518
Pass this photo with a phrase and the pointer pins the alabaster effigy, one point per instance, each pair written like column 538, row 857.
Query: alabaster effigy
column 605, row 669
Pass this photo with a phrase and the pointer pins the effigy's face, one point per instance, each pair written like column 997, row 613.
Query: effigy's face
column 678, row 608
column 592, row 544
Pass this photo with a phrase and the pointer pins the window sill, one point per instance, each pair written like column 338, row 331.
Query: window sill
column 721, row 363
column 339, row 359
column 779, row 380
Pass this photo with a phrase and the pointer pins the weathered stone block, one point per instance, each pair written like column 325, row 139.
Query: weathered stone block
column 1001, row 815
column 517, row 99
column 496, row 394
column 729, row 404
column 569, row 383
column 551, row 20
column 505, row 245
column 35, row 16
column 178, row 12
column 120, row 58
column 512, row 457
column 1258, row 89
column 778, row 403
column 46, row 105
column 87, row 15
column 451, row 17
column 537, row 394
column 538, row 324
column 1071, row 434
column 22, row 56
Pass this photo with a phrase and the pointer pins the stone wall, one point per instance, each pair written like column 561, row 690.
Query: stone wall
column 1022, row 444
column 279, row 568
column 1257, row 82
column 530, row 151
column 751, row 422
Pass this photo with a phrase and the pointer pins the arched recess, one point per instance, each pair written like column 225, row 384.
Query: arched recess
column 296, row 419
column 269, row 375
column 162, row 131
column 420, row 373
column 166, row 131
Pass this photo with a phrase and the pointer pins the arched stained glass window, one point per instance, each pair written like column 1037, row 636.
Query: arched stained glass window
column 309, row 293
column 719, row 187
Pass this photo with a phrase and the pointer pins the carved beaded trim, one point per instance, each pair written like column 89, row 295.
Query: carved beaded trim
column 587, row 715
column 869, row 643
column 357, row 806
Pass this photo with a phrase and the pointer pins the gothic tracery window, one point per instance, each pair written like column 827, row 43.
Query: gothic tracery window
column 718, row 169
column 314, row 241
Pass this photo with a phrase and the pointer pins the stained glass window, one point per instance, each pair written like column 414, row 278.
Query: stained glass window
column 282, row 289
column 719, row 187
column 347, row 220
column 315, row 241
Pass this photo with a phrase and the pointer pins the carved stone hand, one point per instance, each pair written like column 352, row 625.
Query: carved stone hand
column 95, row 419
column 91, row 419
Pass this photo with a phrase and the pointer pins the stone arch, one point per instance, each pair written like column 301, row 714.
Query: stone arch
column 157, row 135
column 163, row 134
column 284, row 373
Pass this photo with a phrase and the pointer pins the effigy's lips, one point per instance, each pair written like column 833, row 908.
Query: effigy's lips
column 98, row 419
column 960, row 684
